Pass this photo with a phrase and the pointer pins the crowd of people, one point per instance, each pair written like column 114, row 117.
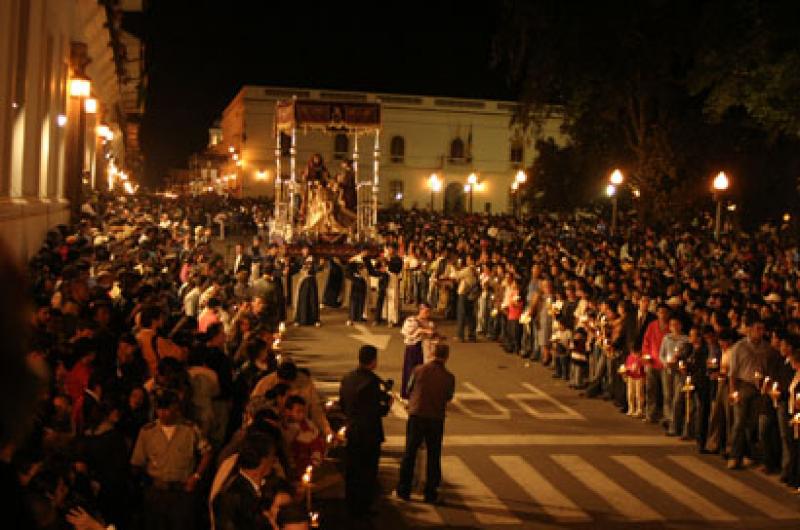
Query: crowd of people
column 701, row 336
column 165, row 401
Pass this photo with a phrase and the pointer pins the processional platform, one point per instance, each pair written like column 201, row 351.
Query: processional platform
column 354, row 119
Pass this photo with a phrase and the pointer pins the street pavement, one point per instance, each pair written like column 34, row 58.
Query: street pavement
column 521, row 450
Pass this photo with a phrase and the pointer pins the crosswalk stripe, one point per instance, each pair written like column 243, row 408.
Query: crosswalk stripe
column 485, row 505
column 553, row 502
column 734, row 488
column 418, row 512
column 619, row 499
column 671, row 487
column 560, row 440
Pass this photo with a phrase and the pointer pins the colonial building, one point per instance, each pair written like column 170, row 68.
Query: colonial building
column 70, row 102
column 452, row 138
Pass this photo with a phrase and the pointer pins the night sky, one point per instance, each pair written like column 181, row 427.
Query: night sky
column 201, row 52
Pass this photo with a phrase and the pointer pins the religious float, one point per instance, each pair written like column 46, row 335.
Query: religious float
column 337, row 214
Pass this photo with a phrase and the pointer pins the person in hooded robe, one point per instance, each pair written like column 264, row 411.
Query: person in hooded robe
column 358, row 290
column 306, row 311
column 394, row 269
column 332, row 296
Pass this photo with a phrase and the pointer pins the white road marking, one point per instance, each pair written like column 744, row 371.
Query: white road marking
column 516, row 440
column 484, row 504
column 625, row 503
column 552, row 501
column 418, row 512
column 365, row 335
column 723, row 481
column 475, row 394
column 523, row 401
column 675, row 489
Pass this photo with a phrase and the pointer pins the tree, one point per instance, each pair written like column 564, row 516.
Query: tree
column 617, row 70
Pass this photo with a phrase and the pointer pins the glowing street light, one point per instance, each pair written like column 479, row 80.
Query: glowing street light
column 521, row 177
column 435, row 184
column 721, row 183
column 611, row 190
column 90, row 105
column 616, row 177
column 80, row 87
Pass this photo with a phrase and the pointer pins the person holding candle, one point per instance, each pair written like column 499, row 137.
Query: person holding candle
column 784, row 373
column 721, row 417
column 793, row 420
column 651, row 347
column 748, row 364
column 364, row 403
column 670, row 353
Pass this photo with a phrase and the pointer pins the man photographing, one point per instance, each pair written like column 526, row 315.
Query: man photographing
column 364, row 402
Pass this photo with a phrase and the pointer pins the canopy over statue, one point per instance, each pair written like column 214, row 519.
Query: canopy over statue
column 316, row 205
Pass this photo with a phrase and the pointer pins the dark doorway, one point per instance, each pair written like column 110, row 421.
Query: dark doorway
column 454, row 199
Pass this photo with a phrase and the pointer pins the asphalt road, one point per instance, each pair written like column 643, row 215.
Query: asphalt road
column 522, row 450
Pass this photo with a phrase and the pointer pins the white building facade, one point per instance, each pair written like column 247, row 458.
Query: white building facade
column 50, row 147
column 452, row 138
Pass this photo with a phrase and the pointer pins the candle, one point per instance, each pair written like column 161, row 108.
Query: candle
column 342, row 434
column 329, row 404
column 282, row 327
column 314, row 516
column 307, row 481
column 775, row 393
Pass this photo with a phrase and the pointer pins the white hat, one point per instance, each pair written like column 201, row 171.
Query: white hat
column 773, row 298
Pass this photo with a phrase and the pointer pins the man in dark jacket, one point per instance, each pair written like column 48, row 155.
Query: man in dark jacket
column 364, row 403
column 237, row 506
column 431, row 387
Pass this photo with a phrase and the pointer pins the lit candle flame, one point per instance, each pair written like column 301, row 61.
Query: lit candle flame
column 329, row 404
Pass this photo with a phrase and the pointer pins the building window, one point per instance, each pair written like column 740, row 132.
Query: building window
column 286, row 144
column 457, row 150
column 397, row 149
column 517, row 154
column 341, row 146
column 396, row 191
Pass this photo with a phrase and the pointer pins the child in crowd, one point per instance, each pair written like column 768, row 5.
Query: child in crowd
column 634, row 379
column 303, row 438
column 579, row 359
column 561, row 339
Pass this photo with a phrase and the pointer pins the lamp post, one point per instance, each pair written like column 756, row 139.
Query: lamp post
column 79, row 88
column 469, row 187
column 721, row 183
column 611, row 191
column 519, row 179
column 435, row 184
column 615, row 181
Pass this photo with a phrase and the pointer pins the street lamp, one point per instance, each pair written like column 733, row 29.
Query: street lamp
column 615, row 180
column 611, row 191
column 472, row 182
column 520, row 178
column 435, row 184
column 721, row 184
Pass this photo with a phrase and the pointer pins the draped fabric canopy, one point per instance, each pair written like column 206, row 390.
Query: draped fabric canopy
column 330, row 116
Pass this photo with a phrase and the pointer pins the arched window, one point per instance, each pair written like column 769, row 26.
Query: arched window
column 517, row 154
column 457, row 150
column 341, row 146
column 397, row 149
